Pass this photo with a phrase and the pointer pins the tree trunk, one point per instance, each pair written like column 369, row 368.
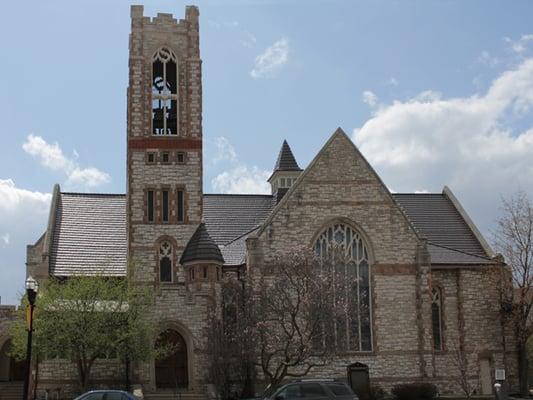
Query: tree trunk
column 127, row 371
column 523, row 368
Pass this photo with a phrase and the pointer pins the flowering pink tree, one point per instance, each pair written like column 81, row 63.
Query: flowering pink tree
column 286, row 318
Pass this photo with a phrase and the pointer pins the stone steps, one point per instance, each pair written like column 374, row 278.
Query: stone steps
column 11, row 390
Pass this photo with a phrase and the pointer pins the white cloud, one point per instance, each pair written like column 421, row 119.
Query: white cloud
column 242, row 180
column 270, row 62
column 521, row 45
column 429, row 141
column 13, row 198
column 224, row 151
column 234, row 176
column 23, row 217
column 486, row 58
column 369, row 98
column 51, row 156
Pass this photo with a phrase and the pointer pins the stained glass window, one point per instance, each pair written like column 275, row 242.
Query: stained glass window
column 352, row 329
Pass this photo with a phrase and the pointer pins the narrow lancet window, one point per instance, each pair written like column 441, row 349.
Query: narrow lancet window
column 436, row 318
column 164, row 201
column 180, row 200
column 165, row 262
column 150, row 206
column 164, row 93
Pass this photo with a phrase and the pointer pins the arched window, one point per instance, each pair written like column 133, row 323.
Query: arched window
column 436, row 317
column 165, row 262
column 164, row 93
column 353, row 330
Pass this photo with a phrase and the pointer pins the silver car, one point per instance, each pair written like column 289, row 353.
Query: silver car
column 316, row 389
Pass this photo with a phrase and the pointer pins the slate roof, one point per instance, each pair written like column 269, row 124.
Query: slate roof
column 235, row 251
column 201, row 248
column 90, row 231
column 436, row 218
column 89, row 235
column 229, row 216
column 286, row 160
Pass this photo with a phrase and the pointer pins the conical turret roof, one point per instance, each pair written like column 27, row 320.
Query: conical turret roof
column 201, row 248
column 286, row 160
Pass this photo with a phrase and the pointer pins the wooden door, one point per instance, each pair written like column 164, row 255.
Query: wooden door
column 172, row 371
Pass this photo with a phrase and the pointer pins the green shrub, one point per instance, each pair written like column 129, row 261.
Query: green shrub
column 415, row 391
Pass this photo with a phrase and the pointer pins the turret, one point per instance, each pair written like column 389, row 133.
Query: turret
column 286, row 171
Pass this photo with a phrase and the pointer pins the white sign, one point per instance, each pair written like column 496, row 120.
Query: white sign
column 500, row 374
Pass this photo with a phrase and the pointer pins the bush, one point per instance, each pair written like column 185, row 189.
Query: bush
column 376, row 393
column 415, row 391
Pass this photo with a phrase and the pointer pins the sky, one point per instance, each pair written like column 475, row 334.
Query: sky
column 433, row 93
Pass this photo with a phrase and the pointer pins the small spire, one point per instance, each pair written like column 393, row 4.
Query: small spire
column 286, row 160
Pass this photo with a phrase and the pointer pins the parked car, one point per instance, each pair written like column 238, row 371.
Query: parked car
column 317, row 389
column 106, row 395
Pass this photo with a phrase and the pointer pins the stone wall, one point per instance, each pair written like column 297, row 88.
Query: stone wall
column 340, row 186
column 178, row 306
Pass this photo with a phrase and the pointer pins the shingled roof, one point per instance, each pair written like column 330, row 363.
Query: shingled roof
column 89, row 235
column 286, row 160
column 201, row 248
column 229, row 216
column 90, row 231
column 436, row 218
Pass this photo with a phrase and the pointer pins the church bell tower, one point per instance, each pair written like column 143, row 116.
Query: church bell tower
column 164, row 143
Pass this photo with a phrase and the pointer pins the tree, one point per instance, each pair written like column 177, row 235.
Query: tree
column 514, row 240
column 284, row 317
column 461, row 363
column 86, row 318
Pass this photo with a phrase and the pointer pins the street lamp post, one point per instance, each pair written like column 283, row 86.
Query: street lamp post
column 31, row 290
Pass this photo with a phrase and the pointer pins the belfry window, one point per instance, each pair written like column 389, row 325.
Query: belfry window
column 352, row 329
column 436, row 317
column 164, row 93
column 165, row 262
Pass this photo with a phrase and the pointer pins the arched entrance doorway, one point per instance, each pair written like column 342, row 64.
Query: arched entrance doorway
column 11, row 370
column 172, row 371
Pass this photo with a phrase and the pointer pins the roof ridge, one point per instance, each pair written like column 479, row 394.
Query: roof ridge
column 239, row 237
column 237, row 194
column 459, row 251
column 417, row 194
column 93, row 194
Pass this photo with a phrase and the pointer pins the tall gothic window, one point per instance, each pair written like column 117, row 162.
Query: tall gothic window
column 164, row 93
column 353, row 328
column 436, row 317
column 165, row 262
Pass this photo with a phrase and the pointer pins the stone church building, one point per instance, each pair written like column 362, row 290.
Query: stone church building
column 428, row 270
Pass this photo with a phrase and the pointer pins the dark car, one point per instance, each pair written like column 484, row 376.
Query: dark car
column 317, row 389
column 106, row 395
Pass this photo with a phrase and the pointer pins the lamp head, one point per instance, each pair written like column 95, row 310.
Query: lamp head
column 32, row 286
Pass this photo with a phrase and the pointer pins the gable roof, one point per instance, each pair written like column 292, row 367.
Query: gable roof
column 339, row 133
column 286, row 160
column 89, row 235
column 201, row 248
column 88, row 231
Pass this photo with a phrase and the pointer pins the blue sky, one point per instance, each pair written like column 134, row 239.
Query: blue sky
column 432, row 92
